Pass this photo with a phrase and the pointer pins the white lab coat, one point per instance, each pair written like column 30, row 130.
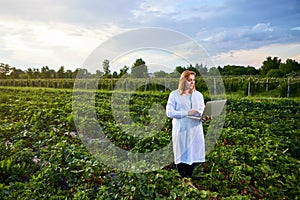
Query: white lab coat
column 187, row 133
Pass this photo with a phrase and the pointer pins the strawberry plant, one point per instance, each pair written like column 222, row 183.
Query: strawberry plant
column 42, row 156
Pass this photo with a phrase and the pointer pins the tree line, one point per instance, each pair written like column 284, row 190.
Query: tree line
column 271, row 67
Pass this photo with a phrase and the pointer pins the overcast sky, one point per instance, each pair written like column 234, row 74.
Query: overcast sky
column 36, row 33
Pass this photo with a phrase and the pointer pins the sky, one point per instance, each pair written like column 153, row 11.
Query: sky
column 35, row 33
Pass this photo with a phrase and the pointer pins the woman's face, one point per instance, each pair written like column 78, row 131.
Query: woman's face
column 190, row 82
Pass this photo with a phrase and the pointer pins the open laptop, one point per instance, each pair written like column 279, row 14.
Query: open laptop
column 212, row 109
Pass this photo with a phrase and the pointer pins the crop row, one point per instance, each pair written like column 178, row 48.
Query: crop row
column 250, row 85
column 42, row 155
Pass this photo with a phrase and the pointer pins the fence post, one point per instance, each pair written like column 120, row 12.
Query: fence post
column 249, row 87
column 289, row 88
column 267, row 85
column 146, row 83
column 215, row 86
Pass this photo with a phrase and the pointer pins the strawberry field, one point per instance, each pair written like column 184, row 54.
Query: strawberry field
column 42, row 156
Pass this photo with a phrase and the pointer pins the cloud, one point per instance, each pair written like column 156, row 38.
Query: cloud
column 178, row 10
column 155, row 8
column 64, row 32
column 255, row 57
column 260, row 30
column 77, row 12
column 296, row 28
column 262, row 27
column 33, row 10
column 244, row 37
column 29, row 43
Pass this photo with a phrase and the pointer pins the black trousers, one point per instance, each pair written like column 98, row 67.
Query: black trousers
column 186, row 170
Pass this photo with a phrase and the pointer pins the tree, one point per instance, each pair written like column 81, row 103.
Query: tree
column 36, row 73
column 106, row 67
column 139, row 69
column 270, row 63
column 180, row 69
column 4, row 70
column 61, row 72
column 194, row 69
column 252, row 70
column 52, row 73
column 82, row 72
column 29, row 73
column 69, row 74
column 236, row 70
column 290, row 66
column 99, row 73
column 213, row 71
column 115, row 74
column 45, row 72
column 15, row 73
column 202, row 70
column 174, row 74
column 160, row 74
column 275, row 73
column 123, row 71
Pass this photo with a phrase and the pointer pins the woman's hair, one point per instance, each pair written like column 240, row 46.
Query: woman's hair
column 183, row 78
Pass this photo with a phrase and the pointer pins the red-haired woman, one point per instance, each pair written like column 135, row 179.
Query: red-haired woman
column 187, row 133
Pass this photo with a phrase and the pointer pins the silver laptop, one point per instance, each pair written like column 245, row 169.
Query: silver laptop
column 212, row 109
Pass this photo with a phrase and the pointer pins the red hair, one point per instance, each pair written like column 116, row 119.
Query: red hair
column 183, row 78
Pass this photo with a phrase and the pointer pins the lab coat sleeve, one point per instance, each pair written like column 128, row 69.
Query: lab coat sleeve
column 172, row 110
column 201, row 105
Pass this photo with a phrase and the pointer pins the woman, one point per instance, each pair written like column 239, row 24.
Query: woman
column 187, row 133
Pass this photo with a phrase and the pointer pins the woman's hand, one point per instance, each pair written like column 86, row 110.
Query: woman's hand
column 206, row 118
column 194, row 113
